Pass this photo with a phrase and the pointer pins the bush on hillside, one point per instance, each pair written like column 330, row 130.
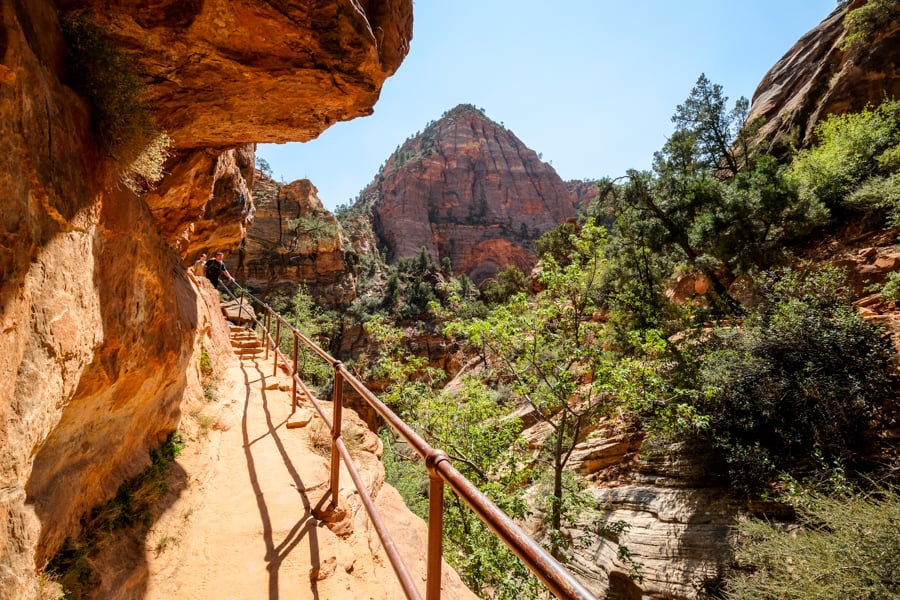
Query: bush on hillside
column 797, row 386
column 844, row 547
column 108, row 77
column 852, row 148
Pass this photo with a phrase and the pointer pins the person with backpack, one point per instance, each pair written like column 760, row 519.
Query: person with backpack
column 215, row 268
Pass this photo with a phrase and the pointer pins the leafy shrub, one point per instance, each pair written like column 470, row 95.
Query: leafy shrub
column 845, row 547
column 866, row 19
column 880, row 193
column 797, row 385
column 507, row 284
column 891, row 290
column 206, row 367
column 316, row 324
column 147, row 169
column 107, row 75
column 852, row 148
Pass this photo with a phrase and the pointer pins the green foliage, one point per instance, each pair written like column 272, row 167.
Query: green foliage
column 844, row 547
column 313, row 227
column 411, row 286
column 862, row 22
column 796, row 387
column 211, row 389
column 133, row 506
column 714, row 138
column 548, row 347
column 264, row 167
column 406, row 473
column 710, row 204
column 410, row 379
column 206, row 367
column 891, row 290
column 473, row 426
column 851, row 148
column 505, row 285
column 108, row 76
column 880, row 193
column 313, row 322
column 147, row 169
column 557, row 242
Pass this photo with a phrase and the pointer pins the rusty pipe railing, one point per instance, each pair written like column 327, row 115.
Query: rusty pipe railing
column 552, row 574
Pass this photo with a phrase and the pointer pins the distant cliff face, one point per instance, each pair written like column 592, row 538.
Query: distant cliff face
column 816, row 78
column 468, row 189
column 294, row 240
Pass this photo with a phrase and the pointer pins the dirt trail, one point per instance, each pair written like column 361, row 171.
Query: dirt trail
column 244, row 528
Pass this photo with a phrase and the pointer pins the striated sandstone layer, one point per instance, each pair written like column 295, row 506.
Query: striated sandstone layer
column 294, row 240
column 204, row 203
column 816, row 78
column 100, row 325
column 469, row 190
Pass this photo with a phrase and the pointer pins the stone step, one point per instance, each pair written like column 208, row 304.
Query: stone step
column 249, row 351
column 246, row 343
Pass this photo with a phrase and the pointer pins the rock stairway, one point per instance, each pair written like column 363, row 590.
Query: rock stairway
column 245, row 343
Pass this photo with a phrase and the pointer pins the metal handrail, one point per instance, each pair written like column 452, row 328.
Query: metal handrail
column 558, row 580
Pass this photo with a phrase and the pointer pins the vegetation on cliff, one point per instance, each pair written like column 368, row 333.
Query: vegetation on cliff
column 108, row 77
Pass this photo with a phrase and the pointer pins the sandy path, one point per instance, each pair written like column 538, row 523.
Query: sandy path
column 243, row 528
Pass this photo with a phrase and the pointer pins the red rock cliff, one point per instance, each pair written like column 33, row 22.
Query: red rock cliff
column 468, row 189
column 294, row 240
column 817, row 78
column 99, row 324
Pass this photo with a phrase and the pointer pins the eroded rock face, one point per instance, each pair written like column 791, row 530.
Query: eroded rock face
column 294, row 240
column 99, row 323
column 229, row 72
column 204, row 203
column 470, row 190
column 816, row 78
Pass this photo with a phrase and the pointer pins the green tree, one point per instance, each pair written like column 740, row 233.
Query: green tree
column 795, row 389
column 718, row 139
column 710, row 202
column 308, row 318
column 548, row 348
column 473, row 425
column 508, row 282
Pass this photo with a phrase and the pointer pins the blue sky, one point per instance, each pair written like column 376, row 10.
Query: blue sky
column 589, row 84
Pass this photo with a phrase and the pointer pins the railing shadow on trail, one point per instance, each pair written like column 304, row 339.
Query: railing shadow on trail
column 306, row 524
column 547, row 569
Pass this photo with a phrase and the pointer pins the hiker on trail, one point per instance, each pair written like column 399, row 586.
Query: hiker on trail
column 215, row 268
column 199, row 268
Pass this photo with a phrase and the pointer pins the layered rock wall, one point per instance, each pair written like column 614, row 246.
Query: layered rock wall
column 204, row 204
column 816, row 78
column 99, row 323
column 294, row 241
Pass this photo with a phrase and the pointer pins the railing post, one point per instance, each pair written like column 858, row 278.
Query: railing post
column 240, row 304
column 277, row 341
column 294, row 376
column 266, row 329
column 337, row 398
column 435, row 525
